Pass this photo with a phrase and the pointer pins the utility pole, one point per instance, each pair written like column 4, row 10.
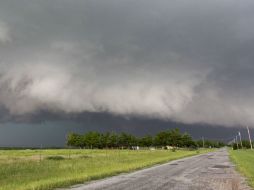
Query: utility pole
column 240, row 136
column 40, row 151
column 203, row 142
column 236, row 142
column 249, row 137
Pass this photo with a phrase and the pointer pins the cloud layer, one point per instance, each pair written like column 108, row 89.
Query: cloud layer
column 4, row 33
column 189, row 62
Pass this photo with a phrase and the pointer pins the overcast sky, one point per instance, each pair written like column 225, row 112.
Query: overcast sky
column 179, row 60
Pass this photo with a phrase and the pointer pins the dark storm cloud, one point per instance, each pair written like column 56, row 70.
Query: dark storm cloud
column 186, row 61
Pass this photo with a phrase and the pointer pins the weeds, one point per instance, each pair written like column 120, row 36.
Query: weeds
column 20, row 169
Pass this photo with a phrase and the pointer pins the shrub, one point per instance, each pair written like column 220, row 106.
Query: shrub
column 55, row 158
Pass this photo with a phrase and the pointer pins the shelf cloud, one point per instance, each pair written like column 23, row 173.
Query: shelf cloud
column 4, row 33
column 183, row 61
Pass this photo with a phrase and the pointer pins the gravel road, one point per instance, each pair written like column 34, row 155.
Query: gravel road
column 212, row 171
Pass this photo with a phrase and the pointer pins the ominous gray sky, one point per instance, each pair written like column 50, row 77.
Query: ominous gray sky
column 179, row 60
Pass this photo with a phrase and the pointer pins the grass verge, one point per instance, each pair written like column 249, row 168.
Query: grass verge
column 244, row 163
column 48, row 169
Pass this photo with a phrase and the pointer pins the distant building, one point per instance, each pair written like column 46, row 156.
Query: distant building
column 135, row 147
column 169, row 147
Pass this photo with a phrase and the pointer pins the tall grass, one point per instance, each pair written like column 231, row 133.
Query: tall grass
column 48, row 169
column 244, row 163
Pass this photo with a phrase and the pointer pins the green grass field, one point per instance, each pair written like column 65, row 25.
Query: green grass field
column 244, row 163
column 48, row 169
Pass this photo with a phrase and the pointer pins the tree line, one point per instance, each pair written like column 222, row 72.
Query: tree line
column 244, row 145
column 172, row 138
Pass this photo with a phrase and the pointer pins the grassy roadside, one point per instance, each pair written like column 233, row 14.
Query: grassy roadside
column 244, row 163
column 48, row 169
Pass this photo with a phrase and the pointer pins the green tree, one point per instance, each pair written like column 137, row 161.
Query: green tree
column 174, row 137
column 92, row 139
column 75, row 140
column 146, row 141
column 105, row 140
column 127, row 140
column 162, row 139
column 113, row 140
column 187, row 141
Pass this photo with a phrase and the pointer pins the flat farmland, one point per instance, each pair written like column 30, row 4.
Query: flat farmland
column 49, row 168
